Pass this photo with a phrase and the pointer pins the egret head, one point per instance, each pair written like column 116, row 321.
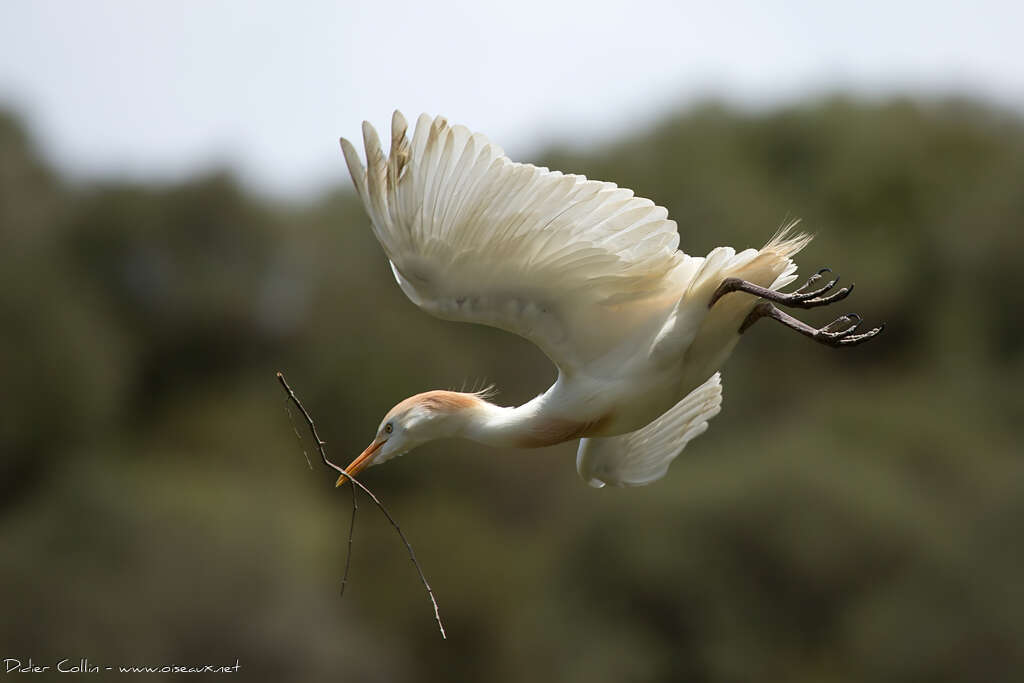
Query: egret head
column 413, row 422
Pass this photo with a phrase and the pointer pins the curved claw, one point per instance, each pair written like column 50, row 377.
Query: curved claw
column 844, row 292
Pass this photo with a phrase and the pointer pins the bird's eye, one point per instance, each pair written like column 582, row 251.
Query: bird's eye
column 388, row 428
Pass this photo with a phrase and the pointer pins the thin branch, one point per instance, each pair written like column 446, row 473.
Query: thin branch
column 351, row 532
column 320, row 444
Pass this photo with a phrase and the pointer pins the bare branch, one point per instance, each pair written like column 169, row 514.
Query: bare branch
column 351, row 532
column 320, row 444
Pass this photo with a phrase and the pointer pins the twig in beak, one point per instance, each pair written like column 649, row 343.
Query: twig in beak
column 320, row 444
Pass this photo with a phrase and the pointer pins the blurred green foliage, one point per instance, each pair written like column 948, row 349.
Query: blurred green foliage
column 851, row 515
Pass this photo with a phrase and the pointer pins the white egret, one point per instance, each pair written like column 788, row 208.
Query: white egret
column 588, row 272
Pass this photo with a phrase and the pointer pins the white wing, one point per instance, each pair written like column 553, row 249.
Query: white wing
column 643, row 456
column 563, row 261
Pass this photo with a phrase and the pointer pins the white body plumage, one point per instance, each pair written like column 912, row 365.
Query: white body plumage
column 587, row 271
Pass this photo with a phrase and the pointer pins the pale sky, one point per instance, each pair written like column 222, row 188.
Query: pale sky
column 160, row 89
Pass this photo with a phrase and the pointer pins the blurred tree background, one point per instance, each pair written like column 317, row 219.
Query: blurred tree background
column 851, row 516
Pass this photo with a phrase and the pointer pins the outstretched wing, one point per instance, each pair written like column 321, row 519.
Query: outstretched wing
column 472, row 236
column 643, row 456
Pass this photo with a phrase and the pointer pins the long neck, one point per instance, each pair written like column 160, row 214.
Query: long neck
column 530, row 425
column 501, row 426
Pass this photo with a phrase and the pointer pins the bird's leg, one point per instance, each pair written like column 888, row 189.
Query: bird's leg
column 837, row 333
column 804, row 297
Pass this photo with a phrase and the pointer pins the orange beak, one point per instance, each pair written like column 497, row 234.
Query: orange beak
column 360, row 463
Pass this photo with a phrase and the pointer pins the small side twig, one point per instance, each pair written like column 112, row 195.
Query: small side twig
column 351, row 533
column 298, row 436
column 320, row 444
column 355, row 504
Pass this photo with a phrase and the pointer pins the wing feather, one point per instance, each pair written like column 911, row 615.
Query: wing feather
column 473, row 236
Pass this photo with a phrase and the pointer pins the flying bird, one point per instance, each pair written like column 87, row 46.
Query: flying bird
column 591, row 274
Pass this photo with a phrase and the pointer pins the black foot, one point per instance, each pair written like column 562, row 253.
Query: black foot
column 800, row 298
column 837, row 333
